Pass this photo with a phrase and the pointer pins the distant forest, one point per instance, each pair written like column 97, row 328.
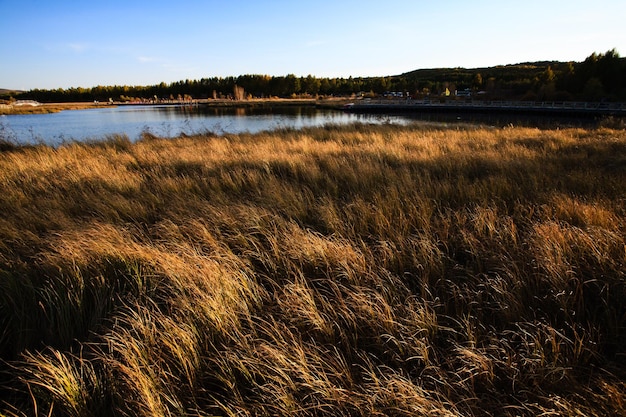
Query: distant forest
column 600, row 77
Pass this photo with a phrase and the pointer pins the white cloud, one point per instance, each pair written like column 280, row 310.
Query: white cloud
column 78, row 47
column 147, row 59
column 179, row 68
column 312, row 44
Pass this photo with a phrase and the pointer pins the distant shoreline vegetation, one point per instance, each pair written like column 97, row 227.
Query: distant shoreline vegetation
column 600, row 77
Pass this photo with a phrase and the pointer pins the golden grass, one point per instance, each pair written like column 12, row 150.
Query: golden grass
column 359, row 270
column 49, row 108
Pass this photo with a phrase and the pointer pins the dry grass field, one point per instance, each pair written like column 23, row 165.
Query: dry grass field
column 345, row 271
column 45, row 108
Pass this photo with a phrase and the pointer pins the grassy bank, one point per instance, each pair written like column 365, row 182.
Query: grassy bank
column 46, row 108
column 360, row 270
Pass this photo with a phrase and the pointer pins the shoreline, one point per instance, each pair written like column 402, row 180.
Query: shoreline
column 44, row 108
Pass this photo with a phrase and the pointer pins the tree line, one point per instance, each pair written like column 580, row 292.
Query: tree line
column 601, row 76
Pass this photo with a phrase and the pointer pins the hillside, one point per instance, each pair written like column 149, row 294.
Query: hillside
column 600, row 77
column 6, row 91
column 510, row 71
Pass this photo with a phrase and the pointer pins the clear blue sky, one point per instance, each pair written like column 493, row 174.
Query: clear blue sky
column 60, row 44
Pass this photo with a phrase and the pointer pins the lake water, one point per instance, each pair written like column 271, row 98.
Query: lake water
column 169, row 121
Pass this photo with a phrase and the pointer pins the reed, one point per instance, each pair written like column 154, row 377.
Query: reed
column 356, row 270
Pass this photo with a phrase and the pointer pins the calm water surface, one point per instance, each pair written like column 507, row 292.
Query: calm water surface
column 168, row 121
column 171, row 121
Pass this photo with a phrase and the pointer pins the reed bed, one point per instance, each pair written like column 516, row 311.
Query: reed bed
column 356, row 271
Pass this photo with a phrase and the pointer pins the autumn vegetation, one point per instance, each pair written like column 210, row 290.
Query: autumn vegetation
column 600, row 77
column 47, row 108
column 355, row 270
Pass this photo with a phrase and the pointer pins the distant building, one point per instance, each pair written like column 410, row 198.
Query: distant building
column 398, row 94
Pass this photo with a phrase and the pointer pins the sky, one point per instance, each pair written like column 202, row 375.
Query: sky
column 63, row 43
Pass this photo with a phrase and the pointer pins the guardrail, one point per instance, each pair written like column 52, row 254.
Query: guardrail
column 497, row 104
column 574, row 107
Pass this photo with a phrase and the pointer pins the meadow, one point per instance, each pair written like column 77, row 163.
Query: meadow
column 346, row 271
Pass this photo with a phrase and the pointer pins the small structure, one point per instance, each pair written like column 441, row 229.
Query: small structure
column 32, row 103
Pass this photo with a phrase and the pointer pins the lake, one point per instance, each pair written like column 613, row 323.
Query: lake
column 169, row 121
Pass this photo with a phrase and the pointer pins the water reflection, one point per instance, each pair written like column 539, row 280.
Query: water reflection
column 504, row 119
column 166, row 121
column 171, row 121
